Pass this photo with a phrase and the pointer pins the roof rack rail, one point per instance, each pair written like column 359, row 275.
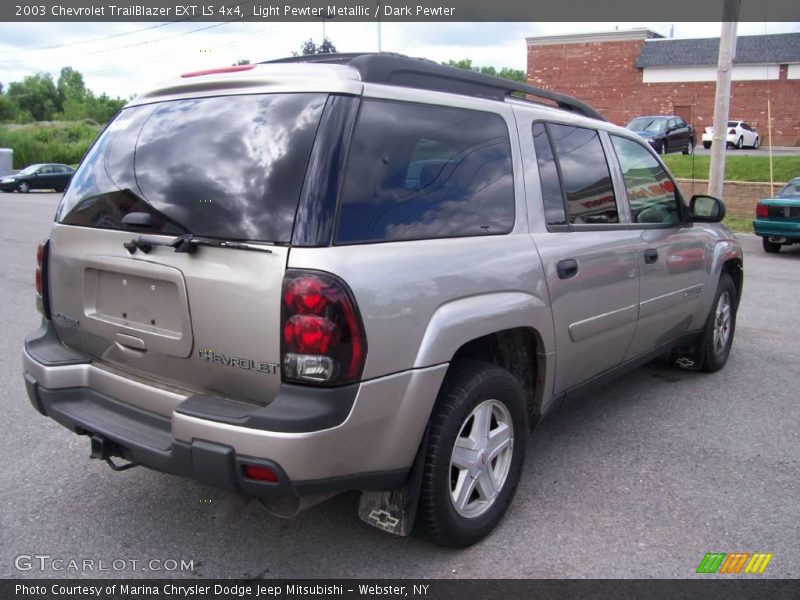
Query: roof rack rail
column 398, row 69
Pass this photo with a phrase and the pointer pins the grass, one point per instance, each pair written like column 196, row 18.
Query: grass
column 739, row 224
column 59, row 142
column 737, row 168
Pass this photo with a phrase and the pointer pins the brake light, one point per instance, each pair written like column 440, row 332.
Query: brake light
column 216, row 71
column 41, row 260
column 322, row 340
column 762, row 210
column 732, row 131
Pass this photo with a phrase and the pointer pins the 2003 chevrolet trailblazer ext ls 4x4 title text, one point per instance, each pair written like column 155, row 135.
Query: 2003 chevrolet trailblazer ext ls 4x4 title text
column 364, row 272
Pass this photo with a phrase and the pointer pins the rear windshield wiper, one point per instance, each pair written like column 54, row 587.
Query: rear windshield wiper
column 188, row 243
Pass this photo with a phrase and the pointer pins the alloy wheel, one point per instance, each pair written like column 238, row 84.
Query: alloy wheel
column 481, row 458
column 722, row 323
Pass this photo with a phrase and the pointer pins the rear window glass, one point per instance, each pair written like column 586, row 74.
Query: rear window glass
column 226, row 167
column 585, row 175
column 418, row 172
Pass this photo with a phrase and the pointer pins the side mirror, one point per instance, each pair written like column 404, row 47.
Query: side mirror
column 706, row 209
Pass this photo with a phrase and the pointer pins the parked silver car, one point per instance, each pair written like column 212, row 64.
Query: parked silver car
column 373, row 273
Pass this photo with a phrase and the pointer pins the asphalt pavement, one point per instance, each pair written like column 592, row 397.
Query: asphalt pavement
column 640, row 478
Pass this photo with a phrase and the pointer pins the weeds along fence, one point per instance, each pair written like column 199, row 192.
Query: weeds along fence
column 60, row 142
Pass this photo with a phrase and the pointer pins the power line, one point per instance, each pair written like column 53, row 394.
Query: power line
column 98, row 39
column 129, row 33
column 162, row 57
column 154, row 41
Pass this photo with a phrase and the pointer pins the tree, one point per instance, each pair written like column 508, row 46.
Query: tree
column 309, row 47
column 38, row 98
column 70, row 85
column 505, row 72
column 36, row 94
column 8, row 110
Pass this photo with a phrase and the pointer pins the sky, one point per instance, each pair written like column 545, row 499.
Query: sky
column 125, row 59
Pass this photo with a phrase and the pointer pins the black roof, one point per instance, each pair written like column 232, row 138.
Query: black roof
column 397, row 69
column 778, row 48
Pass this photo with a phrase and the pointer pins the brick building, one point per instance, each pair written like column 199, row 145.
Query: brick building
column 625, row 74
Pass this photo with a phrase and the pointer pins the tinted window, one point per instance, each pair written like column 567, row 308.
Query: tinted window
column 417, row 171
column 792, row 190
column 651, row 193
column 585, row 175
column 229, row 167
column 648, row 124
column 548, row 176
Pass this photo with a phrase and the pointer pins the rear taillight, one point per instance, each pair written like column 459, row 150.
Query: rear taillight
column 732, row 131
column 41, row 266
column 762, row 211
column 322, row 338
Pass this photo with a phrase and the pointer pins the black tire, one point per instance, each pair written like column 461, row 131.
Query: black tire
column 756, row 144
column 770, row 247
column 23, row 187
column 470, row 388
column 689, row 147
column 740, row 143
column 713, row 352
column 706, row 145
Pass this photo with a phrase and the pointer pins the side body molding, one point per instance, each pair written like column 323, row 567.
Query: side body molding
column 457, row 322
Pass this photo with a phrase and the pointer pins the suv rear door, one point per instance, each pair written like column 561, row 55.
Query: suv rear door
column 588, row 256
column 226, row 168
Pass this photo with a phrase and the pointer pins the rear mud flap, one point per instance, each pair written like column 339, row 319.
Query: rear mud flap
column 395, row 511
column 686, row 358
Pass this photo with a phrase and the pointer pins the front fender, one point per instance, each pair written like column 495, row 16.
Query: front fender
column 724, row 251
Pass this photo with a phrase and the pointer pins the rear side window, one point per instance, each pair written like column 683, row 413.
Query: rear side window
column 552, row 196
column 226, row 167
column 585, row 175
column 419, row 172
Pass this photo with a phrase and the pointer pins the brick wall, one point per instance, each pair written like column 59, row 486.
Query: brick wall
column 604, row 74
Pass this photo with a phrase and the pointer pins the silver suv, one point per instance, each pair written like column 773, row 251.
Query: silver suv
column 364, row 272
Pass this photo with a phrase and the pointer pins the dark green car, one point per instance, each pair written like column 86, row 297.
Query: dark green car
column 50, row 176
column 778, row 219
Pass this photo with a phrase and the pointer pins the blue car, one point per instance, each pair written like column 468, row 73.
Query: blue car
column 778, row 219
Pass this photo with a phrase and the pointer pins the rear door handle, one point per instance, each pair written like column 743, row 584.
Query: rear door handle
column 650, row 256
column 567, row 268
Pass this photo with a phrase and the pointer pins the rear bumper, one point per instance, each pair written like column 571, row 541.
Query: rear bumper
column 311, row 446
column 787, row 229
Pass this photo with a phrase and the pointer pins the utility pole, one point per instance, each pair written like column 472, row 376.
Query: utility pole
column 727, row 50
column 378, row 19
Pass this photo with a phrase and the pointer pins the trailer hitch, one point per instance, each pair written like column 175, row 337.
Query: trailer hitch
column 104, row 449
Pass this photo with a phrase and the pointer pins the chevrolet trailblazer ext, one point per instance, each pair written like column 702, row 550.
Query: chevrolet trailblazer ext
column 364, row 272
